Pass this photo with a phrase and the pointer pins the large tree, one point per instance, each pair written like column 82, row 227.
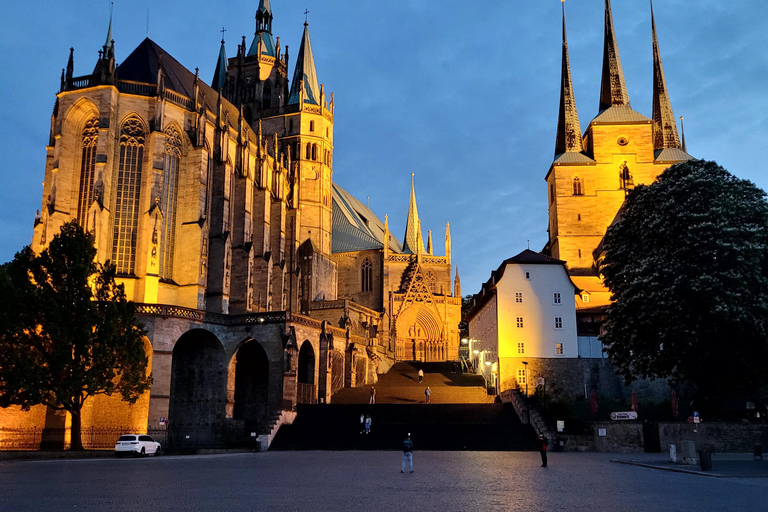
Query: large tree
column 67, row 332
column 687, row 265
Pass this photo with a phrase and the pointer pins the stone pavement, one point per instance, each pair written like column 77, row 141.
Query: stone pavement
column 370, row 481
column 401, row 386
column 724, row 465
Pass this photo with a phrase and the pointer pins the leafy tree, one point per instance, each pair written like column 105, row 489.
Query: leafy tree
column 467, row 303
column 687, row 264
column 67, row 331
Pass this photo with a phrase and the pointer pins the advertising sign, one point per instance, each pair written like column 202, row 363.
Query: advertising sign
column 628, row 415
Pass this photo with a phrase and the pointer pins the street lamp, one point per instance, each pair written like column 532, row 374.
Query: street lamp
column 525, row 364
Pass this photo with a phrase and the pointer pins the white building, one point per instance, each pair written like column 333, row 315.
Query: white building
column 524, row 321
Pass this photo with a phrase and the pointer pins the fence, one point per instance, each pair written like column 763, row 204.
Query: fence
column 30, row 439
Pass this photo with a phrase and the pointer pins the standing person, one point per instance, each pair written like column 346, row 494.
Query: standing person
column 373, row 396
column 367, row 424
column 362, row 422
column 427, row 393
column 407, row 453
column 421, row 375
column 543, row 443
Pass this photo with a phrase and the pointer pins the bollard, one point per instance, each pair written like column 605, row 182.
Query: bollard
column 758, row 451
column 705, row 460
column 672, row 453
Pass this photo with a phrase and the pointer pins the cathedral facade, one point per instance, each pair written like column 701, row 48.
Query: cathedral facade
column 260, row 281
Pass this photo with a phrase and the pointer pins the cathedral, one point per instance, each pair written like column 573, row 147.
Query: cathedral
column 261, row 282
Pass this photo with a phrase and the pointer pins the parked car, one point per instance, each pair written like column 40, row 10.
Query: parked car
column 138, row 445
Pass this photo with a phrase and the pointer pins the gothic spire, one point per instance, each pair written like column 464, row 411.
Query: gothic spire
column 613, row 90
column 448, row 241
column 220, row 75
column 568, row 128
column 682, row 131
column 664, row 124
column 305, row 71
column 457, row 284
column 263, row 31
column 412, row 243
column 108, row 42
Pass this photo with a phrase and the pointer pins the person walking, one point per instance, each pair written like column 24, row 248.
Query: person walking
column 373, row 396
column 362, row 423
column 421, row 375
column 367, row 424
column 428, row 393
column 407, row 453
column 543, row 443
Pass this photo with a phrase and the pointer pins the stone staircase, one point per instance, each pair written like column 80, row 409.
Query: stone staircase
column 277, row 420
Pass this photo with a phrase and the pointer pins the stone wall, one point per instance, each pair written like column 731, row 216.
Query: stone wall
column 717, row 437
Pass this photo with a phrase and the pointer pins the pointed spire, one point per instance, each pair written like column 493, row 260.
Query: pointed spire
column 457, row 284
column 568, row 128
column 412, row 239
column 429, row 242
column 613, row 90
column 664, row 125
column 305, row 72
column 70, row 64
column 448, row 241
column 220, row 75
column 263, row 32
column 108, row 43
column 682, row 131
column 386, row 237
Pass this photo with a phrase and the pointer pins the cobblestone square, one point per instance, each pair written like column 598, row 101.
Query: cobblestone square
column 371, row 481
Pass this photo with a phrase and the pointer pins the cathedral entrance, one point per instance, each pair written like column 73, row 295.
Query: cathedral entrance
column 420, row 337
column 305, row 385
column 197, row 399
column 251, row 396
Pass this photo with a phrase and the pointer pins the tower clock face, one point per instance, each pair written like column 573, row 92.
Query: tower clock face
column 623, row 140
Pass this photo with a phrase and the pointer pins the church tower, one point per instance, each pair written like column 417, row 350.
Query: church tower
column 591, row 175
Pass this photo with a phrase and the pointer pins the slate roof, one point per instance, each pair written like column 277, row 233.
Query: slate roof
column 671, row 155
column 267, row 49
column 573, row 158
column 355, row 227
column 142, row 65
column 620, row 114
column 305, row 70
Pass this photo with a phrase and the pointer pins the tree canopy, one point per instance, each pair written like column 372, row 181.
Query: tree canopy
column 67, row 331
column 687, row 265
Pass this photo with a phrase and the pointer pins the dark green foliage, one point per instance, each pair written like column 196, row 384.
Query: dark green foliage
column 687, row 265
column 67, row 331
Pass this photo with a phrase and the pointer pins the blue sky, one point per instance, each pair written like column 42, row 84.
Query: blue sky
column 464, row 94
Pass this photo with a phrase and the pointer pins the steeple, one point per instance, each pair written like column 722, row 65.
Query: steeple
column 448, row 242
column 429, row 242
column 568, row 129
column 664, row 124
column 220, row 74
column 457, row 284
column 305, row 72
column 263, row 31
column 613, row 90
column 412, row 243
column 108, row 43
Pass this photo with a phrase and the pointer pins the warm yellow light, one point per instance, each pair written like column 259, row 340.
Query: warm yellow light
column 476, row 351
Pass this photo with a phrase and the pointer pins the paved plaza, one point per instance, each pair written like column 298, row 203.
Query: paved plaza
column 371, row 481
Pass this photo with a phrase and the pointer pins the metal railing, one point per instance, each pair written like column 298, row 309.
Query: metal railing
column 94, row 438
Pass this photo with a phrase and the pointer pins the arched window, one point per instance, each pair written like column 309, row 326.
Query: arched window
column 87, row 168
column 577, row 190
column 431, row 281
column 267, row 97
column 127, row 193
column 309, row 151
column 314, row 151
column 366, row 276
column 168, row 200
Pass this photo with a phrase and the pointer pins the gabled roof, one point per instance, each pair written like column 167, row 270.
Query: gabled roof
column 671, row 155
column 355, row 227
column 142, row 66
column 620, row 114
column 305, row 70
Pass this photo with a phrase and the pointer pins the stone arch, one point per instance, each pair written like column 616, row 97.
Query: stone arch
column 198, row 385
column 248, row 385
column 417, row 326
column 306, row 390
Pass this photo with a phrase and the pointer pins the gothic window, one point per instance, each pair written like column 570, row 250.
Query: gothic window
column 309, row 151
column 87, row 168
column 431, row 281
column 267, row 96
column 127, row 192
column 577, row 188
column 314, row 151
column 366, row 276
column 168, row 201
